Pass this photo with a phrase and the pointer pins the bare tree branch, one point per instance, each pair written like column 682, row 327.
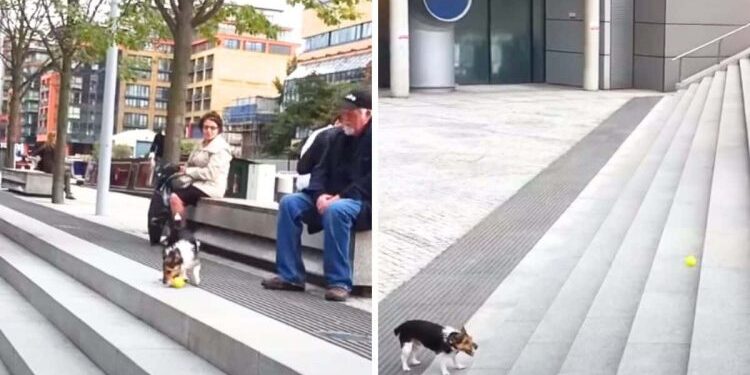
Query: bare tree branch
column 47, row 45
column 171, row 22
column 47, row 66
column 93, row 14
column 201, row 18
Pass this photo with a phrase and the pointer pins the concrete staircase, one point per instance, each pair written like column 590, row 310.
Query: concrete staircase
column 72, row 307
column 606, row 290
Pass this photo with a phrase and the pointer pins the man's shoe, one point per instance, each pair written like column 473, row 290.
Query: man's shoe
column 277, row 283
column 337, row 294
column 70, row 197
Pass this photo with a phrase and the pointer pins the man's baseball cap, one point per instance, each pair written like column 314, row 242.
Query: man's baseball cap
column 357, row 99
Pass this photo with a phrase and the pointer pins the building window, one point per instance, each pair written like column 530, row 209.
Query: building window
column 136, row 103
column 340, row 36
column 255, row 46
column 74, row 113
column 280, row 50
column 166, row 48
column 162, row 93
column 232, row 44
column 137, row 91
column 209, row 75
column 143, row 67
column 317, row 41
column 135, row 120
column 160, row 122
column 366, row 30
column 161, row 104
column 165, row 65
column 164, row 77
column 207, row 92
column 209, row 62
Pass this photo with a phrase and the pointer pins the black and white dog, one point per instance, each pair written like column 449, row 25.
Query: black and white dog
column 181, row 256
column 444, row 341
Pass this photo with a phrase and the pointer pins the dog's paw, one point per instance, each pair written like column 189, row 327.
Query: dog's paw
column 460, row 367
column 446, row 373
column 415, row 362
column 406, row 369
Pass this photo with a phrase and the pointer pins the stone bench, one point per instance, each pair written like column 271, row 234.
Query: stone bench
column 249, row 228
column 27, row 181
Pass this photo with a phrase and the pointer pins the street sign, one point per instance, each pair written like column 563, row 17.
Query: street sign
column 447, row 10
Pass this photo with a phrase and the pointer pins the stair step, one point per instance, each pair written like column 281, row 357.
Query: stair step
column 659, row 339
column 721, row 330
column 519, row 303
column 29, row 344
column 745, row 77
column 233, row 338
column 600, row 342
column 116, row 341
column 555, row 333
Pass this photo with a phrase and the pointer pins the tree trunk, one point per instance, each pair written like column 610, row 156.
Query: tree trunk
column 62, row 130
column 183, row 46
column 14, row 119
column 14, row 102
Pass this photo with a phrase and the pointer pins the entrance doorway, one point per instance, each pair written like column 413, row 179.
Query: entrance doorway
column 500, row 42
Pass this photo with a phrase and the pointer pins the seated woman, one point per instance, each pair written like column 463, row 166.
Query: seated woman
column 208, row 166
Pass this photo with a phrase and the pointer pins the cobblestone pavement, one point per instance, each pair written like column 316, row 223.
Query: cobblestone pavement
column 445, row 161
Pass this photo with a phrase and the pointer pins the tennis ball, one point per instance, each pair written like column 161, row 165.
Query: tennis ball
column 691, row 260
column 178, row 282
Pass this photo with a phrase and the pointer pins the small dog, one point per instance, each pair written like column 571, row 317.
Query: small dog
column 444, row 341
column 180, row 256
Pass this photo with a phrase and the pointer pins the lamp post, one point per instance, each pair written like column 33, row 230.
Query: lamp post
column 108, row 119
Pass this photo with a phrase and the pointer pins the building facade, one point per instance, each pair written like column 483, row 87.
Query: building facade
column 523, row 41
column 141, row 101
column 84, row 107
column 340, row 53
column 30, row 101
column 231, row 67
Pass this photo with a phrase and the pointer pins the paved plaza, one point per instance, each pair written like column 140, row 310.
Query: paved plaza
column 447, row 160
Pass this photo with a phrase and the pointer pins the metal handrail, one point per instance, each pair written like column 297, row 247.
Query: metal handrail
column 704, row 45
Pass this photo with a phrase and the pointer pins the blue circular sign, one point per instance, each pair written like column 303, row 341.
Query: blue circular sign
column 447, row 10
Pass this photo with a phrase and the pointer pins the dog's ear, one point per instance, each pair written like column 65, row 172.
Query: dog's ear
column 463, row 330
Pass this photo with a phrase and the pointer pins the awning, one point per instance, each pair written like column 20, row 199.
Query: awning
column 341, row 64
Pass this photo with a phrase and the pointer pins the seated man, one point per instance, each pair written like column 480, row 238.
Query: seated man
column 338, row 201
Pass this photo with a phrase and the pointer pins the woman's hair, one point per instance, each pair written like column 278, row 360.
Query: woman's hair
column 51, row 139
column 213, row 116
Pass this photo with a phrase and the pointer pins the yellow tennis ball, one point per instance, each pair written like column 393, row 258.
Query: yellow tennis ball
column 691, row 260
column 178, row 282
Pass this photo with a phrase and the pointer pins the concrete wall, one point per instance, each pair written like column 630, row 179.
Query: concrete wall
column 564, row 43
column 667, row 28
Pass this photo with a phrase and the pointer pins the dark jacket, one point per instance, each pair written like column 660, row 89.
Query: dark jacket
column 157, row 146
column 47, row 153
column 314, row 154
column 346, row 170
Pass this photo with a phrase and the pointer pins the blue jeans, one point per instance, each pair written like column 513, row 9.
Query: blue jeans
column 338, row 223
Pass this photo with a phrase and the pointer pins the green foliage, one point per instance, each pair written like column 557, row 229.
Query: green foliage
column 187, row 146
column 316, row 105
column 331, row 12
column 122, row 152
column 278, row 84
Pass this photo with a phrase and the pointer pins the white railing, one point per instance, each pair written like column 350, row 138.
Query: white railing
column 718, row 39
